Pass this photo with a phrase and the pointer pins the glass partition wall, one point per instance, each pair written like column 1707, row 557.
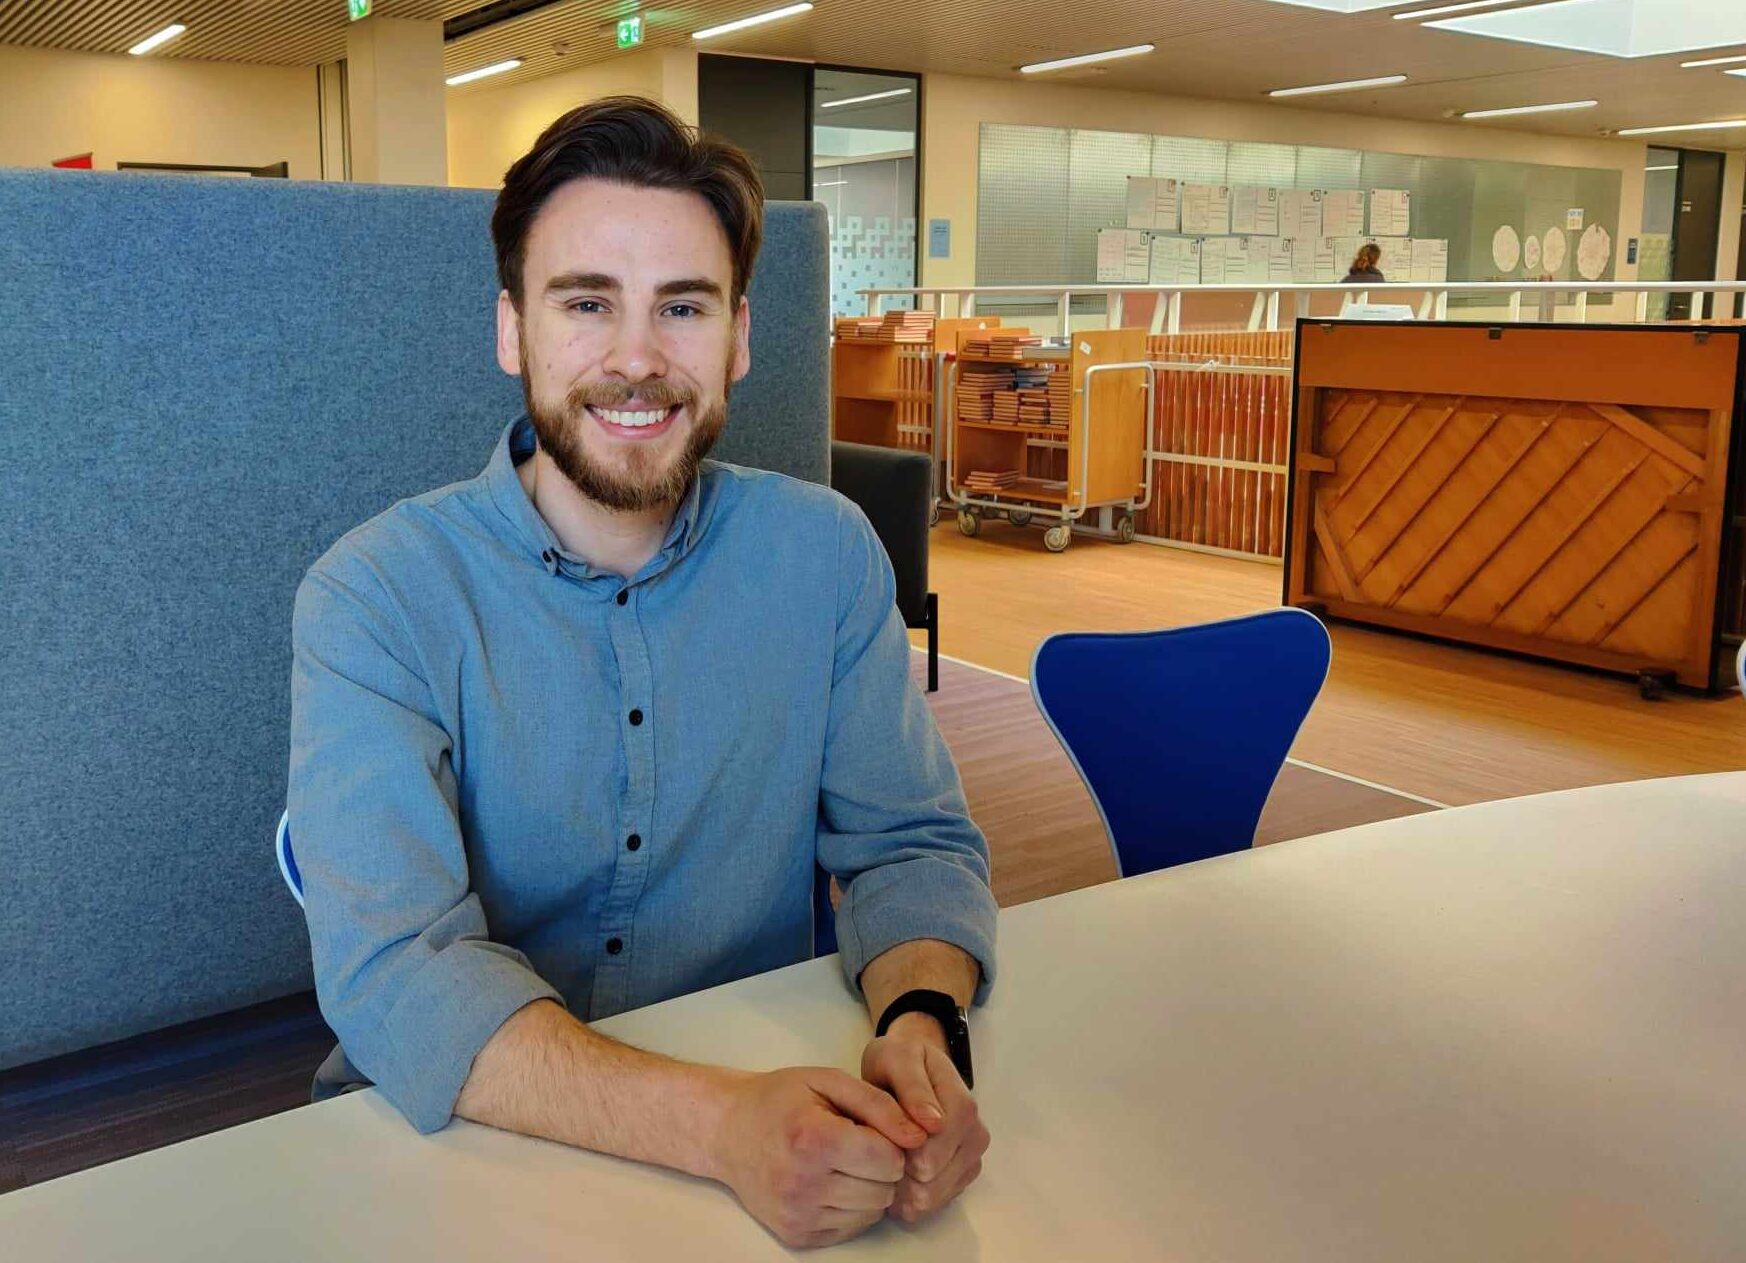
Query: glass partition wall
column 864, row 140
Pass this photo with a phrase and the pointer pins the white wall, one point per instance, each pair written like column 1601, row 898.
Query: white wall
column 490, row 128
column 56, row 104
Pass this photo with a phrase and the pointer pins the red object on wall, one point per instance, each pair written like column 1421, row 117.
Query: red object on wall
column 78, row 162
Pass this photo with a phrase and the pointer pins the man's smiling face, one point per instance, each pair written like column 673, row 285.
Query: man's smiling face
column 627, row 339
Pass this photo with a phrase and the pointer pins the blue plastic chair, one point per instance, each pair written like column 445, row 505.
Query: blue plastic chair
column 824, row 917
column 1740, row 666
column 1180, row 734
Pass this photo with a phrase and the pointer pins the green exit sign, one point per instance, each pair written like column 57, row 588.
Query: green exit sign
column 630, row 30
column 359, row 9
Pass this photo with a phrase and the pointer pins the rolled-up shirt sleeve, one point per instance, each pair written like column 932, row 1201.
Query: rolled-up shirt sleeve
column 405, row 971
column 893, row 825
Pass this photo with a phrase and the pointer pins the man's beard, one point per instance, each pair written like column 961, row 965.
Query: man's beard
column 642, row 484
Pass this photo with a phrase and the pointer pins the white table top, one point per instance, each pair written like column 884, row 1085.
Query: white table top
column 1515, row 1031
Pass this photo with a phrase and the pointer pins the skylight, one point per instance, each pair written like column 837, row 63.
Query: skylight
column 1613, row 28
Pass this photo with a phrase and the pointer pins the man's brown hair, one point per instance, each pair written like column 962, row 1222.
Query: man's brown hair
column 630, row 140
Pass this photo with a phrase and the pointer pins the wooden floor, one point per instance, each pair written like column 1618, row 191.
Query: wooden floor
column 1452, row 724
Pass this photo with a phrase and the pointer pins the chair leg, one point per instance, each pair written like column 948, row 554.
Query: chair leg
column 933, row 643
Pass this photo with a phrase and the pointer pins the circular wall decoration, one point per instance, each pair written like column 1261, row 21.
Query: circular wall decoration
column 1531, row 254
column 1593, row 251
column 1506, row 249
column 1553, row 248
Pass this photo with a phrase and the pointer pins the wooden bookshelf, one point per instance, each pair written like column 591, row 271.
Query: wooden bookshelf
column 882, row 396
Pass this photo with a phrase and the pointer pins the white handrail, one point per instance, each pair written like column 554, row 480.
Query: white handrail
column 1265, row 310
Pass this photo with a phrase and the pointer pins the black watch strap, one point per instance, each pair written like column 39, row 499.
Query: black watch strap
column 952, row 1019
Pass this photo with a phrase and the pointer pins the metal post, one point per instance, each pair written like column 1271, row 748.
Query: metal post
column 1257, row 311
column 1643, row 307
column 1116, row 309
column 1175, row 311
column 1064, row 314
column 1516, row 306
column 1442, row 307
column 1582, row 307
column 967, row 305
column 1273, row 311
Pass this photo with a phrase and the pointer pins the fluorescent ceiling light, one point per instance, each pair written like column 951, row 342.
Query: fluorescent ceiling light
column 757, row 19
column 1672, row 166
column 1712, row 61
column 1038, row 67
column 496, row 68
column 1532, row 109
column 1451, row 8
column 857, row 100
column 1344, row 6
column 828, row 184
column 152, row 41
column 1613, row 28
column 1348, row 86
column 1682, row 127
column 1737, row 73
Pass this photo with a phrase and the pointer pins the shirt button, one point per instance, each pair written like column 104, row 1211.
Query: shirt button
column 614, row 946
column 634, row 842
column 546, row 556
column 636, row 718
column 623, row 596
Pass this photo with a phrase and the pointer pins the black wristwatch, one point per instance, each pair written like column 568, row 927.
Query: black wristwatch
column 952, row 1019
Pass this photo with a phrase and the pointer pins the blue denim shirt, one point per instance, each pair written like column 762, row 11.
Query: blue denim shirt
column 515, row 776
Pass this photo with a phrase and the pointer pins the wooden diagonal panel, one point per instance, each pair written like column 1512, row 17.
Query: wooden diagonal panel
column 1352, row 466
column 1640, row 430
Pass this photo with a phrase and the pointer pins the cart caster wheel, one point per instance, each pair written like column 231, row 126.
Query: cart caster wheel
column 1056, row 538
column 1125, row 530
column 969, row 522
column 934, row 514
column 1019, row 517
column 1652, row 685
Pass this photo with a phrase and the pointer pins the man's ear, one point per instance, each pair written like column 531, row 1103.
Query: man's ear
column 508, row 335
column 742, row 361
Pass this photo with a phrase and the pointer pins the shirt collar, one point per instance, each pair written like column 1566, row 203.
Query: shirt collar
column 516, row 445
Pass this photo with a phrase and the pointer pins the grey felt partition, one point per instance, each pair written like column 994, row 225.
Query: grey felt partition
column 203, row 383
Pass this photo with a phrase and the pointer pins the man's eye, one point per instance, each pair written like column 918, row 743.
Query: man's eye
column 587, row 306
column 683, row 310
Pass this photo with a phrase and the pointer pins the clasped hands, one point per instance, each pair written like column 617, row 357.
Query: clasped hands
column 819, row 1156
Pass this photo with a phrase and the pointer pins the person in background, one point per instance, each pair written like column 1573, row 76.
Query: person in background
column 1364, row 270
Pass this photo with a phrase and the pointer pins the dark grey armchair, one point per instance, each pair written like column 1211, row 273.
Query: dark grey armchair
column 894, row 488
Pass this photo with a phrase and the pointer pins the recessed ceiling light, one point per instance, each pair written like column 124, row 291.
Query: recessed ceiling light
column 1451, row 8
column 1712, row 61
column 1038, row 67
column 757, row 19
column 152, row 41
column 1348, row 86
column 1682, row 127
column 495, row 68
column 858, row 100
column 1532, row 109
column 1672, row 166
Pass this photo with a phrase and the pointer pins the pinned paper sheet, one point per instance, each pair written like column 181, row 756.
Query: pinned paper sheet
column 1300, row 214
column 1552, row 250
column 1206, row 210
column 1390, row 212
column 1175, row 261
column 1506, row 249
column 1593, row 250
column 1255, row 210
column 1343, row 213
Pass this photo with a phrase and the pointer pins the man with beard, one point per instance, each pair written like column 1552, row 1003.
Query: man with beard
column 573, row 736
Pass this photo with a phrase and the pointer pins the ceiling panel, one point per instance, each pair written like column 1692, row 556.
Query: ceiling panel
column 1232, row 49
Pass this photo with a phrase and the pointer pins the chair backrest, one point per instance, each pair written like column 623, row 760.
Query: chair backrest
column 203, row 384
column 287, row 858
column 1180, row 734
column 893, row 488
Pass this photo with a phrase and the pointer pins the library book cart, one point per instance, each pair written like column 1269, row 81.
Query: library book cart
column 1048, row 429
column 884, row 371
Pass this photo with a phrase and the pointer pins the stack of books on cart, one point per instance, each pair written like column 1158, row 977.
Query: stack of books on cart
column 1060, row 394
column 893, row 326
column 907, row 326
column 991, row 482
column 1033, row 409
column 1000, row 346
column 978, row 386
column 1006, row 407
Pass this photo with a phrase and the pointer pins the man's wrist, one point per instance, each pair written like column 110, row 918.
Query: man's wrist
column 918, row 1027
